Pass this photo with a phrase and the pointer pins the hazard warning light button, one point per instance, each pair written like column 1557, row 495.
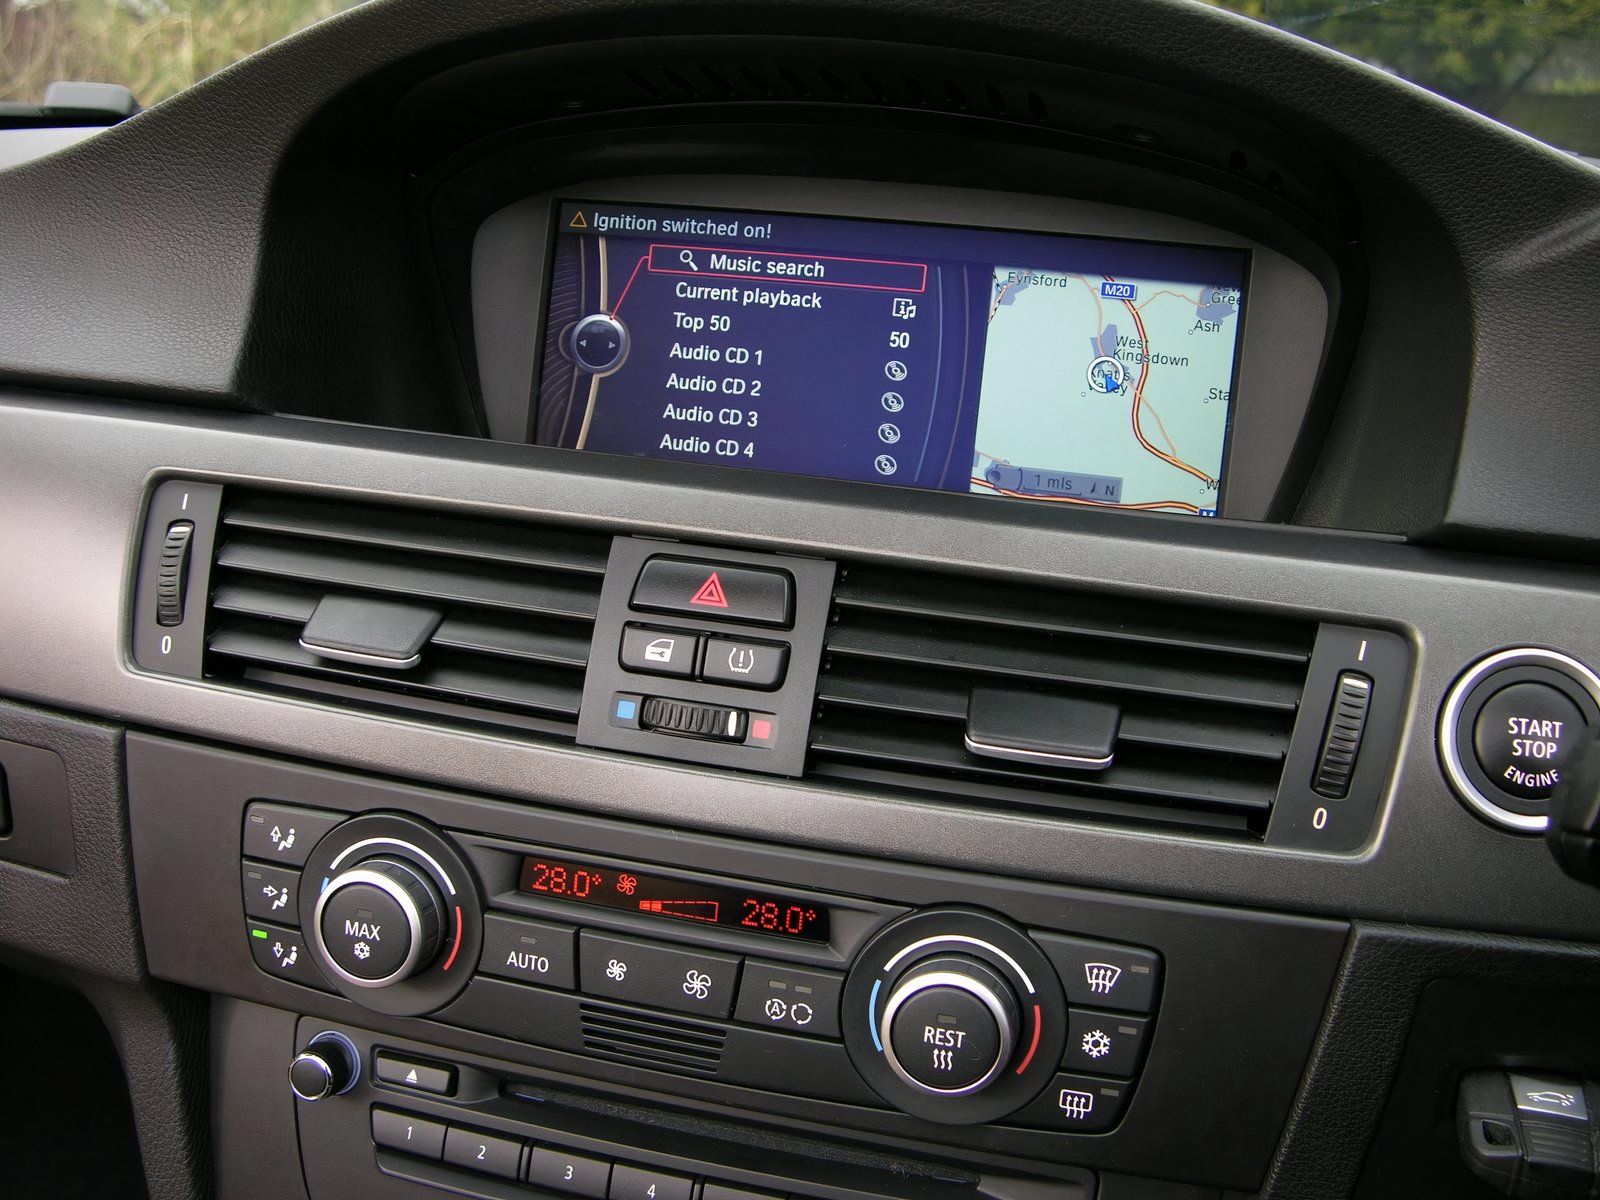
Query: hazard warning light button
column 720, row 591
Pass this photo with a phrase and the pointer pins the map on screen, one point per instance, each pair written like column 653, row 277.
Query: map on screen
column 1105, row 389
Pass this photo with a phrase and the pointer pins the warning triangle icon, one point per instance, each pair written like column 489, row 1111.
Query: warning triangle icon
column 578, row 222
column 710, row 594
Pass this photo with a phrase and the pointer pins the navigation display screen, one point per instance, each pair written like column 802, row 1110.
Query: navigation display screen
column 1064, row 369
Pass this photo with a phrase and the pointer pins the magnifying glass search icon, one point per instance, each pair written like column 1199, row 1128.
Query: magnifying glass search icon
column 686, row 257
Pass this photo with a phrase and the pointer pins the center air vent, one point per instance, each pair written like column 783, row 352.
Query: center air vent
column 1207, row 700
column 502, row 614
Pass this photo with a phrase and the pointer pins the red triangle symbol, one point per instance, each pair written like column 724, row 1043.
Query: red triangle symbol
column 710, row 594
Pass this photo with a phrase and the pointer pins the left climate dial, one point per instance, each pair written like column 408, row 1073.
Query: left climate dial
column 379, row 921
column 389, row 912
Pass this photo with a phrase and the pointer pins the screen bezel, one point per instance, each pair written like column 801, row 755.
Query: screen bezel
column 1279, row 354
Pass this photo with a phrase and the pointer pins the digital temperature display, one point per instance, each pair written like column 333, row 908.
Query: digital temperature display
column 628, row 890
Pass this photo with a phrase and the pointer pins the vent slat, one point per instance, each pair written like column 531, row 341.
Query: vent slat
column 269, row 599
column 400, row 574
column 1225, row 788
column 357, row 695
column 1038, row 611
column 630, row 1051
column 504, row 639
column 454, row 537
column 997, row 792
column 983, row 653
column 487, row 681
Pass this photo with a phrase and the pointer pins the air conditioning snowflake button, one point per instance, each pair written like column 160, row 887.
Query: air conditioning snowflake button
column 1105, row 1043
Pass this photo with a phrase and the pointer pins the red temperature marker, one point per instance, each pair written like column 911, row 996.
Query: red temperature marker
column 710, row 594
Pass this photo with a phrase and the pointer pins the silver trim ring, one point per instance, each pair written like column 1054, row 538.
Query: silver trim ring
column 327, row 1076
column 964, row 940
column 395, row 892
column 1456, row 699
column 327, row 1037
column 920, row 983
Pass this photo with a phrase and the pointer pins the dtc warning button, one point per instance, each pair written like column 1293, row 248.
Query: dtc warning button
column 718, row 590
column 1525, row 736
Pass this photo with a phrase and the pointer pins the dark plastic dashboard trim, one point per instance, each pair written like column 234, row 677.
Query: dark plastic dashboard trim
column 86, row 466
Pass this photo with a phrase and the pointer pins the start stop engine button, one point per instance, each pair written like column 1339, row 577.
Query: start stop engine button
column 1524, row 737
column 1510, row 728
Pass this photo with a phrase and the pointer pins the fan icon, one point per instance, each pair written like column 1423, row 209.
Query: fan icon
column 627, row 884
column 1096, row 1043
column 362, row 950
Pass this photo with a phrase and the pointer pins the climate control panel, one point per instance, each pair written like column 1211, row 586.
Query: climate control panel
column 966, row 1015
column 950, row 1014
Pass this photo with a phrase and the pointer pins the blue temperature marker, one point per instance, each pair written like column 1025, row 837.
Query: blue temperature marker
column 872, row 1015
column 627, row 710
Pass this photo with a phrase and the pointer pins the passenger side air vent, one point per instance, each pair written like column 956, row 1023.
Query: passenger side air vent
column 1195, row 706
column 464, row 621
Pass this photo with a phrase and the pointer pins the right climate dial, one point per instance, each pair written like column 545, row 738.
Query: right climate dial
column 955, row 1016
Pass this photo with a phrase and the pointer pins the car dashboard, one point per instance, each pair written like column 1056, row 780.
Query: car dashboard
column 814, row 600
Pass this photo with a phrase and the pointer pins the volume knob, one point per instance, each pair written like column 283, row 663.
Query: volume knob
column 328, row 1066
column 379, row 922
